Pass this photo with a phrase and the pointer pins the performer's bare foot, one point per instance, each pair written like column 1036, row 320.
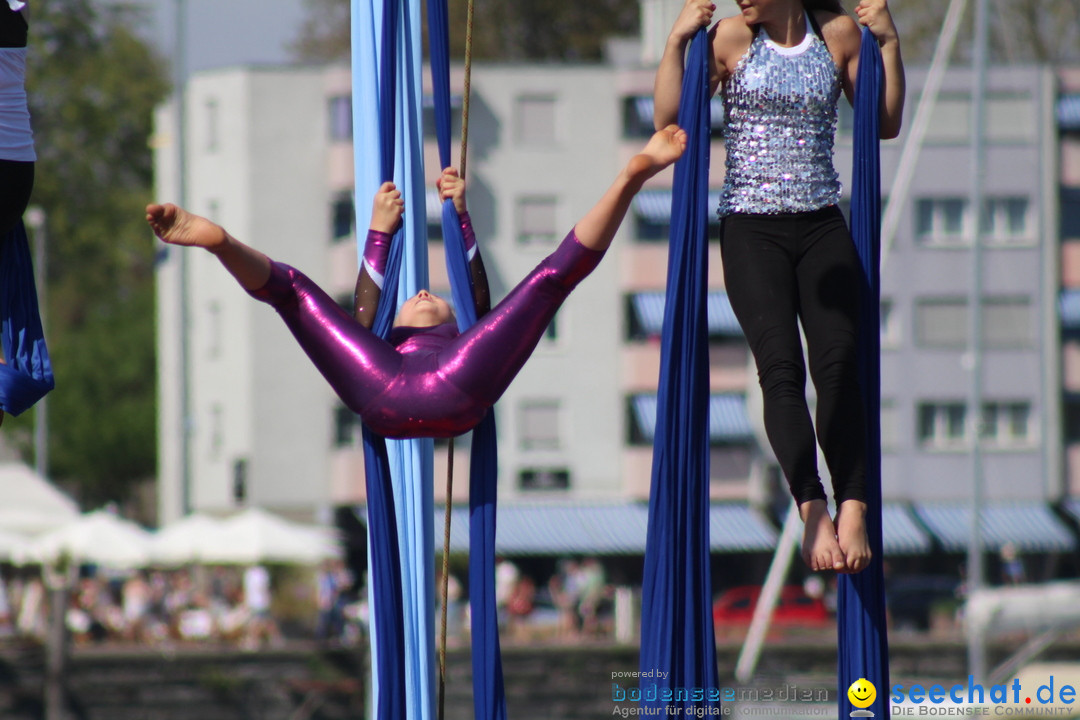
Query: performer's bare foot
column 177, row 226
column 663, row 148
column 851, row 535
column 820, row 549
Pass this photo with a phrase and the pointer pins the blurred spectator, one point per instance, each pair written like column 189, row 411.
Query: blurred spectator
column 1012, row 566
column 261, row 625
column 593, row 590
column 520, row 604
column 506, row 578
column 565, row 589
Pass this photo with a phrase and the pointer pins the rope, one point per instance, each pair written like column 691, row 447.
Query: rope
column 468, row 85
column 450, row 447
column 445, row 575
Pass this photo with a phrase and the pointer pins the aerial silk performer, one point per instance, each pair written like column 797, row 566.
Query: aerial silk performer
column 26, row 373
column 676, row 616
column 388, row 145
column 861, row 629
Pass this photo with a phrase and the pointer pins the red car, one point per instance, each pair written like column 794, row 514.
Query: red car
column 735, row 607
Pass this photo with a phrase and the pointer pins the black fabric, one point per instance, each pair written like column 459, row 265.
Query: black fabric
column 16, row 182
column 13, row 28
column 780, row 269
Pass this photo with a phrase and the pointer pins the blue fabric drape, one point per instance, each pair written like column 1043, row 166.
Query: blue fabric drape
column 388, row 145
column 862, row 639
column 27, row 376
column 676, row 618
column 489, row 701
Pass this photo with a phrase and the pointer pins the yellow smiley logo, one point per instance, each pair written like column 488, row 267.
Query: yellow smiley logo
column 862, row 693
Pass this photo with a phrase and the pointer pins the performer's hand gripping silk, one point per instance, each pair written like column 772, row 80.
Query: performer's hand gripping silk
column 427, row 380
column 788, row 256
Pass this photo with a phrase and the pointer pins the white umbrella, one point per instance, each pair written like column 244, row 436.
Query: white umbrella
column 186, row 540
column 12, row 545
column 99, row 537
column 31, row 503
column 256, row 536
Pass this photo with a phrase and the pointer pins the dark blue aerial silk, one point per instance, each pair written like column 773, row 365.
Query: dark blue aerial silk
column 27, row 375
column 861, row 632
column 676, row 619
column 489, row 698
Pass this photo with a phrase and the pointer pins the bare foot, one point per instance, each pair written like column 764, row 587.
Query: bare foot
column 177, row 226
column 820, row 549
column 851, row 535
column 664, row 148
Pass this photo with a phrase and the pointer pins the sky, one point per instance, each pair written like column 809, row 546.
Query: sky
column 222, row 33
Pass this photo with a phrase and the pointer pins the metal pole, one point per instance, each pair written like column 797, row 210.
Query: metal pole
column 35, row 218
column 181, row 197
column 976, row 638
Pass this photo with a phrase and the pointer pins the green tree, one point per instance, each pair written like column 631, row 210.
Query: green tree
column 93, row 85
column 507, row 30
column 1021, row 31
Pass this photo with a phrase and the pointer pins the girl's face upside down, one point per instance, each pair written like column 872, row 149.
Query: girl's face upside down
column 424, row 310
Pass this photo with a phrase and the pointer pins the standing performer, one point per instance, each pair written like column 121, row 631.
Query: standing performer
column 787, row 252
column 428, row 380
column 16, row 139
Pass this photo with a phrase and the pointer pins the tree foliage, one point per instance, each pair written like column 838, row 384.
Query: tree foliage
column 506, row 30
column 93, row 85
column 1021, row 31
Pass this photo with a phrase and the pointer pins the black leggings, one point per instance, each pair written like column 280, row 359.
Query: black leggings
column 16, row 178
column 16, row 182
column 779, row 269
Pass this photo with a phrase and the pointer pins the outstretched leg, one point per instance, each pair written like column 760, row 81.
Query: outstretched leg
column 484, row 360
column 357, row 364
column 597, row 229
column 177, row 226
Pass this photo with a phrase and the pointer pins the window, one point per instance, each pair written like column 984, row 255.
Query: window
column 941, row 323
column 534, row 120
column 346, row 427
column 240, row 468
column 1005, row 220
column 341, row 118
column 729, row 463
column 214, row 322
column 1006, row 423
column 942, row 425
column 1007, row 322
column 212, row 123
column 217, row 430
column 536, row 219
column 539, row 424
column 890, row 425
column 551, row 334
column 941, row 221
column 890, row 325
column 544, row 479
column 343, row 217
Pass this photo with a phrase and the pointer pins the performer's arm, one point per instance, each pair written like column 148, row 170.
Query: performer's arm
column 452, row 186
column 667, row 87
column 875, row 15
column 385, row 216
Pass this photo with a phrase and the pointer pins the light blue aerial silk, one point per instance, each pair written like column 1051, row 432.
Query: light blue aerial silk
column 388, row 144
column 861, row 632
column 676, row 618
column 27, row 375
column 489, row 697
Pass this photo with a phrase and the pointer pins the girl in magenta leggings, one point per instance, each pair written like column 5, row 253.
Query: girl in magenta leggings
column 427, row 380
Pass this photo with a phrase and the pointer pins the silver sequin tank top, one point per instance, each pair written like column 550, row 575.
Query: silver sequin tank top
column 780, row 108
